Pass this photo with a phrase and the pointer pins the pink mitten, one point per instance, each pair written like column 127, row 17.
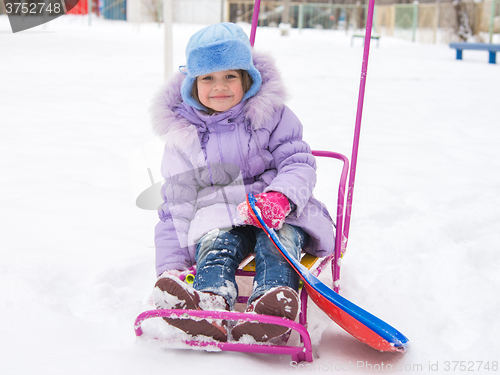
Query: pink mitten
column 273, row 206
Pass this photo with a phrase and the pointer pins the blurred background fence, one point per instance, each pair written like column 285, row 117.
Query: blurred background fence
column 437, row 22
column 426, row 23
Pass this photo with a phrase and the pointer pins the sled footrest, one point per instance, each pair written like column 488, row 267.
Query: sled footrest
column 298, row 353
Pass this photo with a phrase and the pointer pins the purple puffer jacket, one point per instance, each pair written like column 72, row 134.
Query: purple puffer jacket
column 211, row 161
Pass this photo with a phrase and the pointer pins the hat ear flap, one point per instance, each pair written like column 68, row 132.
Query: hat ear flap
column 257, row 82
column 186, row 92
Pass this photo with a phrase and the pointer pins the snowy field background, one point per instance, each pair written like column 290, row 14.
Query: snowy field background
column 77, row 256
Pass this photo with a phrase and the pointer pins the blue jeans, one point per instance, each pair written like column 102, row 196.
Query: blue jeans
column 220, row 252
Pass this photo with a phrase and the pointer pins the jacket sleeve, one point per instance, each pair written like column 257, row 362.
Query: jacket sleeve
column 179, row 194
column 293, row 160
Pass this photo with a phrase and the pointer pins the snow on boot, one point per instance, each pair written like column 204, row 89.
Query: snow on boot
column 281, row 301
column 171, row 293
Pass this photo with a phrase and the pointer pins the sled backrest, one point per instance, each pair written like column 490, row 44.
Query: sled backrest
column 340, row 233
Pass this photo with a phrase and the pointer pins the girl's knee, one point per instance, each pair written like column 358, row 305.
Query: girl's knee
column 293, row 239
column 223, row 243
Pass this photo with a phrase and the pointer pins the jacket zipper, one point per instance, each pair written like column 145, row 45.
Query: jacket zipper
column 243, row 162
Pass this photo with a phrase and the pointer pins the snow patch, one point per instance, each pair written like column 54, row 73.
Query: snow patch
column 281, row 296
column 423, row 244
column 164, row 300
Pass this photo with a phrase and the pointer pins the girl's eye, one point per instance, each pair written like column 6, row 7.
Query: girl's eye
column 207, row 78
column 231, row 76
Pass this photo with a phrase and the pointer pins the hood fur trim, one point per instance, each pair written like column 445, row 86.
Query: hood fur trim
column 271, row 96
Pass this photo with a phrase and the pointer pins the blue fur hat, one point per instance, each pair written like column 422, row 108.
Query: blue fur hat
column 219, row 47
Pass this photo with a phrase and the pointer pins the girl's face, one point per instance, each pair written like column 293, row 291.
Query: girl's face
column 220, row 91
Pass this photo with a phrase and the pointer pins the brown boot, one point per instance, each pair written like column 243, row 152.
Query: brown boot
column 281, row 301
column 171, row 293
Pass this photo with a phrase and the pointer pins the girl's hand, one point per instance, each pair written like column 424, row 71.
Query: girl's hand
column 273, row 206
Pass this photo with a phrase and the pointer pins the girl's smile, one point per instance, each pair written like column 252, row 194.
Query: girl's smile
column 220, row 91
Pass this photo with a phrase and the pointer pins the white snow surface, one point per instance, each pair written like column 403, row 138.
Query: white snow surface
column 77, row 255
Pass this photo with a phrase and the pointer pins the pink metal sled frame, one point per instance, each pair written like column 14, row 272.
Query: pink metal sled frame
column 299, row 353
column 344, row 204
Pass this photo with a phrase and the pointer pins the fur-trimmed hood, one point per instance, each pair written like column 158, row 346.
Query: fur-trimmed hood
column 173, row 128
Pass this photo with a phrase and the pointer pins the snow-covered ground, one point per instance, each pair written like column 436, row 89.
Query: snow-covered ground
column 77, row 257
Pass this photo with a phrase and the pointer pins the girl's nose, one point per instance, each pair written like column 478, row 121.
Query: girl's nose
column 219, row 85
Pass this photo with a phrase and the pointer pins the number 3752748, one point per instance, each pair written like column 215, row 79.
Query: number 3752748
column 471, row 366
column 33, row 8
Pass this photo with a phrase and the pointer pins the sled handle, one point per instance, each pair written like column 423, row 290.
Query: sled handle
column 359, row 114
column 255, row 21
